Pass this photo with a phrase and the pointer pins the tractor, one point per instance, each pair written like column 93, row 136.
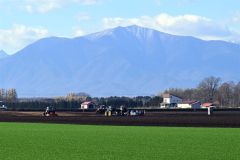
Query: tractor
column 50, row 112
column 101, row 109
column 111, row 111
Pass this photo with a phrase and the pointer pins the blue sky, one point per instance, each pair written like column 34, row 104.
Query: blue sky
column 24, row 21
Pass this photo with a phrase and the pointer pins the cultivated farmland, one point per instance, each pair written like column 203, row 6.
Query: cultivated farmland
column 23, row 141
column 161, row 118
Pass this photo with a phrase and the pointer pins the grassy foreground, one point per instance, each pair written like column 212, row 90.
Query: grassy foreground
column 21, row 141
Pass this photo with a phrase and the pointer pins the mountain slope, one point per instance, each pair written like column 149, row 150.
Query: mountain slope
column 3, row 54
column 121, row 61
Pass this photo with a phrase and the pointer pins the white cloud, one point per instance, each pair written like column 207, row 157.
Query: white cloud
column 43, row 6
column 188, row 25
column 17, row 37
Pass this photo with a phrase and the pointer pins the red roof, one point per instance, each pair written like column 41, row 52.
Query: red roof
column 207, row 104
column 87, row 103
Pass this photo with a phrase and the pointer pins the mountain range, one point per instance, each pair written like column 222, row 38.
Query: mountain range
column 123, row 61
column 3, row 54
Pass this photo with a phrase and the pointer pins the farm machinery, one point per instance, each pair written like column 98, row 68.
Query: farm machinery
column 101, row 109
column 50, row 112
column 2, row 106
column 121, row 111
column 111, row 111
column 136, row 112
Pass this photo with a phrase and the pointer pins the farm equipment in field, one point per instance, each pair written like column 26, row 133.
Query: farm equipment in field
column 50, row 112
column 136, row 112
column 101, row 109
column 2, row 106
column 121, row 111
column 109, row 111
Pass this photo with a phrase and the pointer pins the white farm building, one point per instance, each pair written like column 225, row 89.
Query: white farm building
column 170, row 101
column 88, row 105
column 189, row 104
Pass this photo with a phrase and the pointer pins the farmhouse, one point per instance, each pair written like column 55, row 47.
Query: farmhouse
column 170, row 101
column 189, row 104
column 88, row 105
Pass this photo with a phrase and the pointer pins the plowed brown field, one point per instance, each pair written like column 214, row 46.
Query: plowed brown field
column 173, row 118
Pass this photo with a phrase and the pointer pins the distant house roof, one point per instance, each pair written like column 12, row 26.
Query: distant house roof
column 167, row 95
column 87, row 103
column 207, row 104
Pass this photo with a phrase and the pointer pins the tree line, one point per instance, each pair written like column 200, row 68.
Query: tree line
column 9, row 95
column 73, row 101
column 211, row 89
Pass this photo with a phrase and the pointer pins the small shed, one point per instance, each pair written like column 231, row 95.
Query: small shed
column 88, row 105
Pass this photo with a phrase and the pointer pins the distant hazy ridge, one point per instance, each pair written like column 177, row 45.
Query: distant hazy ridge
column 120, row 61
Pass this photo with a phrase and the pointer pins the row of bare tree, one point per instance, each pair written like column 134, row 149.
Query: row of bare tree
column 8, row 95
column 210, row 89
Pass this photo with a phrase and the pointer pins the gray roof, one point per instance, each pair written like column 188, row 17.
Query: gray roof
column 167, row 95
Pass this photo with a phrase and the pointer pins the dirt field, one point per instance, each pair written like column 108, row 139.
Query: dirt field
column 194, row 119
